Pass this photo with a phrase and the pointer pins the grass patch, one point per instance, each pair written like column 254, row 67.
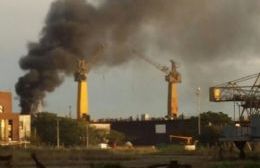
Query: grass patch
column 173, row 149
column 73, row 154
column 135, row 151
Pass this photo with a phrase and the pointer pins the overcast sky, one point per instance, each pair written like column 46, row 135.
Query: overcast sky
column 129, row 89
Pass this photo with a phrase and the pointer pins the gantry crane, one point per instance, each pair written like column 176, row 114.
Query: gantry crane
column 172, row 77
column 244, row 91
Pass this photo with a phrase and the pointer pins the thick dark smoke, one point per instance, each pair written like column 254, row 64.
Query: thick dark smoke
column 198, row 32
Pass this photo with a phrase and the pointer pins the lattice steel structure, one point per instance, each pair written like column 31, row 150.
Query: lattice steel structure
column 244, row 91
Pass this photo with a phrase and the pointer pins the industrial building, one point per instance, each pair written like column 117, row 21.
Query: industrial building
column 153, row 132
column 13, row 126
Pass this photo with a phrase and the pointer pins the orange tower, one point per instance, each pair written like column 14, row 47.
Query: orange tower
column 173, row 77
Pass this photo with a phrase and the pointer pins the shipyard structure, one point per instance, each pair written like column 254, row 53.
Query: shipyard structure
column 151, row 132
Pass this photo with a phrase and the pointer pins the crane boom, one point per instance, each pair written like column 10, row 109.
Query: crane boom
column 241, row 79
column 158, row 66
column 232, row 91
column 240, row 91
column 97, row 52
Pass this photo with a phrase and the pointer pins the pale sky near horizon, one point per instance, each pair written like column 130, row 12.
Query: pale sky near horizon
column 129, row 89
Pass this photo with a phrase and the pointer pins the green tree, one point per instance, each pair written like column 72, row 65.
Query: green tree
column 97, row 136
column 116, row 137
column 45, row 126
column 214, row 118
column 72, row 132
column 212, row 124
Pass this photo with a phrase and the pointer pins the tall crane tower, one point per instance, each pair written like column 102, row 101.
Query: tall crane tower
column 172, row 76
column 82, row 97
column 244, row 91
column 80, row 77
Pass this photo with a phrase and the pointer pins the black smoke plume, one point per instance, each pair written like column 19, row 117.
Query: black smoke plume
column 197, row 32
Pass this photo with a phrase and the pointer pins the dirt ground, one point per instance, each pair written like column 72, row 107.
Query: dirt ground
column 139, row 162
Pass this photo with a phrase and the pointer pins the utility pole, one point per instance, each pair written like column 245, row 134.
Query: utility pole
column 69, row 111
column 25, row 137
column 234, row 103
column 58, row 133
column 87, row 135
column 198, row 95
column 234, row 106
column 1, row 135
